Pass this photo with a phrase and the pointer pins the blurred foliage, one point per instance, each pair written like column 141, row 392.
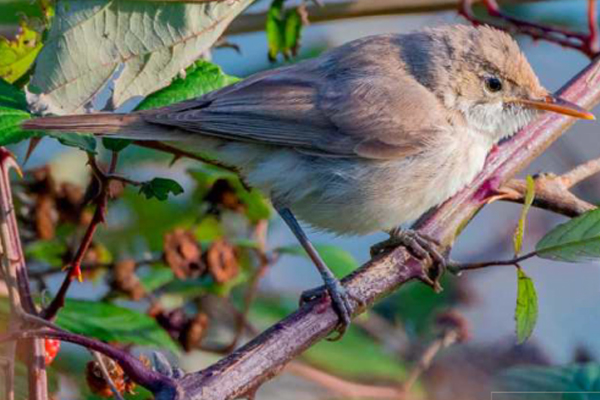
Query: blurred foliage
column 573, row 382
column 284, row 29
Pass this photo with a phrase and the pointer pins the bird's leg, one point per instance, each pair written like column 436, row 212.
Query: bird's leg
column 339, row 297
column 420, row 245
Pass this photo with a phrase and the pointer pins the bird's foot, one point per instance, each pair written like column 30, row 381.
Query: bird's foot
column 340, row 300
column 421, row 246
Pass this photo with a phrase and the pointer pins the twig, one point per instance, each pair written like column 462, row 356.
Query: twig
column 458, row 268
column 261, row 359
column 552, row 192
column 447, row 339
column 75, row 266
column 133, row 367
column 106, row 375
column 335, row 11
column 587, row 43
column 344, row 388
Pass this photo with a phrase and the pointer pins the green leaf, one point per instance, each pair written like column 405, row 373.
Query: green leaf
column 520, row 230
column 81, row 141
column 160, row 188
column 201, row 78
column 115, row 144
column 112, row 323
column 10, row 126
column 574, row 241
column 18, row 55
column 573, row 382
column 156, row 277
column 12, row 97
column 50, row 252
column 337, row 259
column 275, row 28
column 526, row 312
column 148, row 42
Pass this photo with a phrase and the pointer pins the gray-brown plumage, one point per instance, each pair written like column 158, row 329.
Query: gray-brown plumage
column 365, row 137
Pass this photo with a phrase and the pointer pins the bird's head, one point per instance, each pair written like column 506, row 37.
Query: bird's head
column 481, row 72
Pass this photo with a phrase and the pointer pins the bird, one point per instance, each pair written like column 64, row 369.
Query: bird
column 366, row 137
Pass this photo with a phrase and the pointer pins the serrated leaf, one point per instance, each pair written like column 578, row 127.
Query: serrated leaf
column 139, row 45
column 201, row 78
column 111, row 323
column 575, row 381
column 160, row 188
column 520, row 230
column 526, row 312
column 574, row 241
column 337, row 259
column 81, row 141
column 18, row 55
column 115, row 144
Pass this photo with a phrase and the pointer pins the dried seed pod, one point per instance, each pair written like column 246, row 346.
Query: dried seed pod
column 182, row 254
column 125, row 280
column 96, row 381
column 221, row 260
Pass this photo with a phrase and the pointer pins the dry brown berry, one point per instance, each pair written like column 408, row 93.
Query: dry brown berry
column 95, row 379
column 194, row 331
column 46, row 217
column 182, row 254
column 222, row 262
column 126, row 281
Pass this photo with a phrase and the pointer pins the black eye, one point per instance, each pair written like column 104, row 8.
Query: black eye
column 493, row 84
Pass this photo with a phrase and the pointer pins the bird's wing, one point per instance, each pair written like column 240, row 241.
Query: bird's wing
column 372, row 117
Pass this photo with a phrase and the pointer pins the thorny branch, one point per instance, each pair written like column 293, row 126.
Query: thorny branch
column 14, row 273
column 587, row 43
column 261, row 359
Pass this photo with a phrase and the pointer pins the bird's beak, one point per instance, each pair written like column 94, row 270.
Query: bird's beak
column 557, row 105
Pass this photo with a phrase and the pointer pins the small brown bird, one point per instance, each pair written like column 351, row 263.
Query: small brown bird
column 366, row 137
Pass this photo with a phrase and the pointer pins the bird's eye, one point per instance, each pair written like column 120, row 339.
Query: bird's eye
column 493, row 84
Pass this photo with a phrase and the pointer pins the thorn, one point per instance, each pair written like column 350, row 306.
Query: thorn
column 33, row 143
column 176, row 158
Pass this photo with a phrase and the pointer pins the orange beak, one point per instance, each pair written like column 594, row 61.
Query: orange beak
column 558, row 105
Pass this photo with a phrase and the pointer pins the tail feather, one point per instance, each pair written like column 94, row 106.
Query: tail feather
column 125, row 126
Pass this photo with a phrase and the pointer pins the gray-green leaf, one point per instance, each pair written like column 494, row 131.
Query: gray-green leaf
column 526, row 312
column 574, row 241
column 142, row 45
column 520, row 230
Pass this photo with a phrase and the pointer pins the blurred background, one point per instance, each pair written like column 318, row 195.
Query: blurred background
column 568, row 294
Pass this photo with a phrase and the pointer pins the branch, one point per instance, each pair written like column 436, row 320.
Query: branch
column 334, row 11
column 157, row 383
column 262, row 358
column 552, row 192
column 587, row 43
column 14, row 272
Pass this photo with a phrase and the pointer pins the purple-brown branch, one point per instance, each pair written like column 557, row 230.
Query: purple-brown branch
column 588, row 43
column 247, row 368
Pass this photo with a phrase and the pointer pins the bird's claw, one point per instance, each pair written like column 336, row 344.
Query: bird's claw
column 340, row 300
column 421, row 246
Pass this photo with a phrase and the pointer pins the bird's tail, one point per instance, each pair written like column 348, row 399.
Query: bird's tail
column 125, row 126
